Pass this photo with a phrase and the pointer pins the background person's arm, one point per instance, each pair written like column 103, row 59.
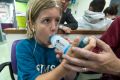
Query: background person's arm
column 71, row 22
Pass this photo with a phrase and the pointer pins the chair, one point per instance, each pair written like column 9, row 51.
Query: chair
column 13, row 64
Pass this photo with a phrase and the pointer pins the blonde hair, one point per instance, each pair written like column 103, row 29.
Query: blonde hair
column 34, row 9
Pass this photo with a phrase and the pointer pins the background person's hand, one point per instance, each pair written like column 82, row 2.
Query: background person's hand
column 104, row 62
column 66, row 29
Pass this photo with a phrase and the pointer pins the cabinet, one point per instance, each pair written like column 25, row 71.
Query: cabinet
column 7, row 14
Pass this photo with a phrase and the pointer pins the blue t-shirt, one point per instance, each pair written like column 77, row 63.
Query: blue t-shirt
column 34, row 59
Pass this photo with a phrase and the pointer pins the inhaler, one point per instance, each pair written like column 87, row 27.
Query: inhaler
column 63, row 45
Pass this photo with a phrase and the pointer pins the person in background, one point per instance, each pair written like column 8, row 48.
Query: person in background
column 94, row 18
column 106, row 58
column 67, row 22
column 36, row 59
column 111, row 11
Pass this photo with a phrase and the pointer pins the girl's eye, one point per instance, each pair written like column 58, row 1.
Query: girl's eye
column 57, row 20
column 45, row 21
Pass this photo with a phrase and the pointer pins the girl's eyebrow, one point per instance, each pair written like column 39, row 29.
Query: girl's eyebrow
column 49, row 18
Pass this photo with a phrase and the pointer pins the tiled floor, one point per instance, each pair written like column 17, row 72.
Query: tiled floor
column 4, row 57
column 4, row 75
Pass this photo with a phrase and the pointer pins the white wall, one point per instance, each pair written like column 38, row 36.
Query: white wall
column 81, row 5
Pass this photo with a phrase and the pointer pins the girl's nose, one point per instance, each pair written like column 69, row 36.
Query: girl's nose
column 53, row 25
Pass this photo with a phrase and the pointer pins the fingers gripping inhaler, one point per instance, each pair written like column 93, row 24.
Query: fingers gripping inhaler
column 64, row 46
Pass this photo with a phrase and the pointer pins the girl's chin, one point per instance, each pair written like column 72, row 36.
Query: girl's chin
column 47, row 43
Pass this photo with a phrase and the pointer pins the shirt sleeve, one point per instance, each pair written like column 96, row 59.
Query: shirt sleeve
column 25, row 62
column 112, row 35
column 71, row 21
column 67, row 17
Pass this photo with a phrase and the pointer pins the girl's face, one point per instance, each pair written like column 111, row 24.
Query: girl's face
column 47, row 24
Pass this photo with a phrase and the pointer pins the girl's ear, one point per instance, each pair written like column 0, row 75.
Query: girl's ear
column 29, row 23
column 32, row 26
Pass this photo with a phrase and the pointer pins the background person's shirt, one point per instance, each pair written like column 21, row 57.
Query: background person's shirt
column 94, row 21
column 112, row 38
